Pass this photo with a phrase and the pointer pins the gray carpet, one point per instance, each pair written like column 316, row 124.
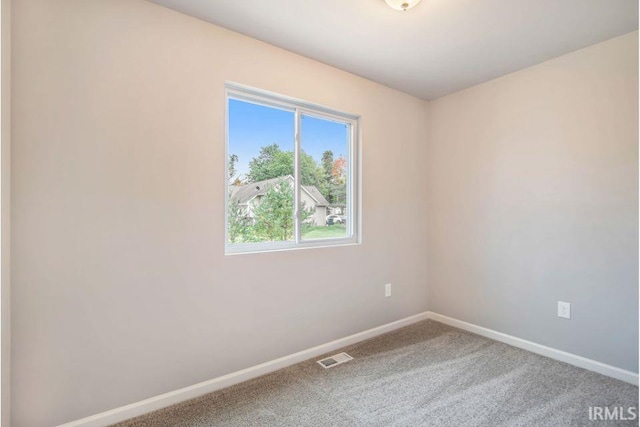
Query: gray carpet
column 427, row 374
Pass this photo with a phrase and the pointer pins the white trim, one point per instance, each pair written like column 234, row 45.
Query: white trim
column 158, row 402
column 297, row 177
column 288, row 103
column 256, row 248
column 563, row 356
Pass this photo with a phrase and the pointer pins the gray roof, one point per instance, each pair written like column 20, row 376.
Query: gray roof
column 244, row 193
column 316, row 194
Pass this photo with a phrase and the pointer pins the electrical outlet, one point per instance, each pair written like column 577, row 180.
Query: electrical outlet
column 564, row 310
column 387, row 290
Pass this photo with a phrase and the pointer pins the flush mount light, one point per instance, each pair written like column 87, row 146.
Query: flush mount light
column 402, row 5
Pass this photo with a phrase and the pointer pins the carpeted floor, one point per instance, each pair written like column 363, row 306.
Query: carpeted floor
column 427, row 374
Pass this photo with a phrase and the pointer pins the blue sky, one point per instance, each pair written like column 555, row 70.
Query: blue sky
column 252, row 126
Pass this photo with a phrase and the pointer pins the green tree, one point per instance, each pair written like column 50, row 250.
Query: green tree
column 233, row 159
column 239, row 225
column 272, row 162
column 327, row 164
column 274, row 213
column 310, row 172
column 326, row 186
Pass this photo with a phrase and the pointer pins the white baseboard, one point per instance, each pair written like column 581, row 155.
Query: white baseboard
column 563, row 356
column 158, row 402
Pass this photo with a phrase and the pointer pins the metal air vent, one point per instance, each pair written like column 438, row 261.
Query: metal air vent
column 330, row 362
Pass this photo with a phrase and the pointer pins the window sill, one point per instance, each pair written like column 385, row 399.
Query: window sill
column 257, row 248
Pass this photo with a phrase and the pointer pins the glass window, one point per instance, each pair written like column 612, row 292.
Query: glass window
column 290, row 173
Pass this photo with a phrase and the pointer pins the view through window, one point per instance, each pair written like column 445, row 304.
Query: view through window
column 290, row 174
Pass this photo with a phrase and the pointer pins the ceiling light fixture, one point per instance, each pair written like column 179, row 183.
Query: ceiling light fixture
column 402, row 5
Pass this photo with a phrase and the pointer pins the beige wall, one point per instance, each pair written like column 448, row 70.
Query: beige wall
column 121, row 290
column 533, row 198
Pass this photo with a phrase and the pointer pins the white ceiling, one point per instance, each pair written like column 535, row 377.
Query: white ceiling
column 438, row 47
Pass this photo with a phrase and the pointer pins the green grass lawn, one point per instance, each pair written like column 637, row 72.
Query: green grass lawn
column 324, row 232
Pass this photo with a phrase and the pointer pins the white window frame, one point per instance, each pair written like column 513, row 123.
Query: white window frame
column 299, row 108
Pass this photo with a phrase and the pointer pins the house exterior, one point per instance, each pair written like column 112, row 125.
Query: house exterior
column 249, row 195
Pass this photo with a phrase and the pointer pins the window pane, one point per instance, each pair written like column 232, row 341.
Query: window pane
column 324, row 163
column 261, row 146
